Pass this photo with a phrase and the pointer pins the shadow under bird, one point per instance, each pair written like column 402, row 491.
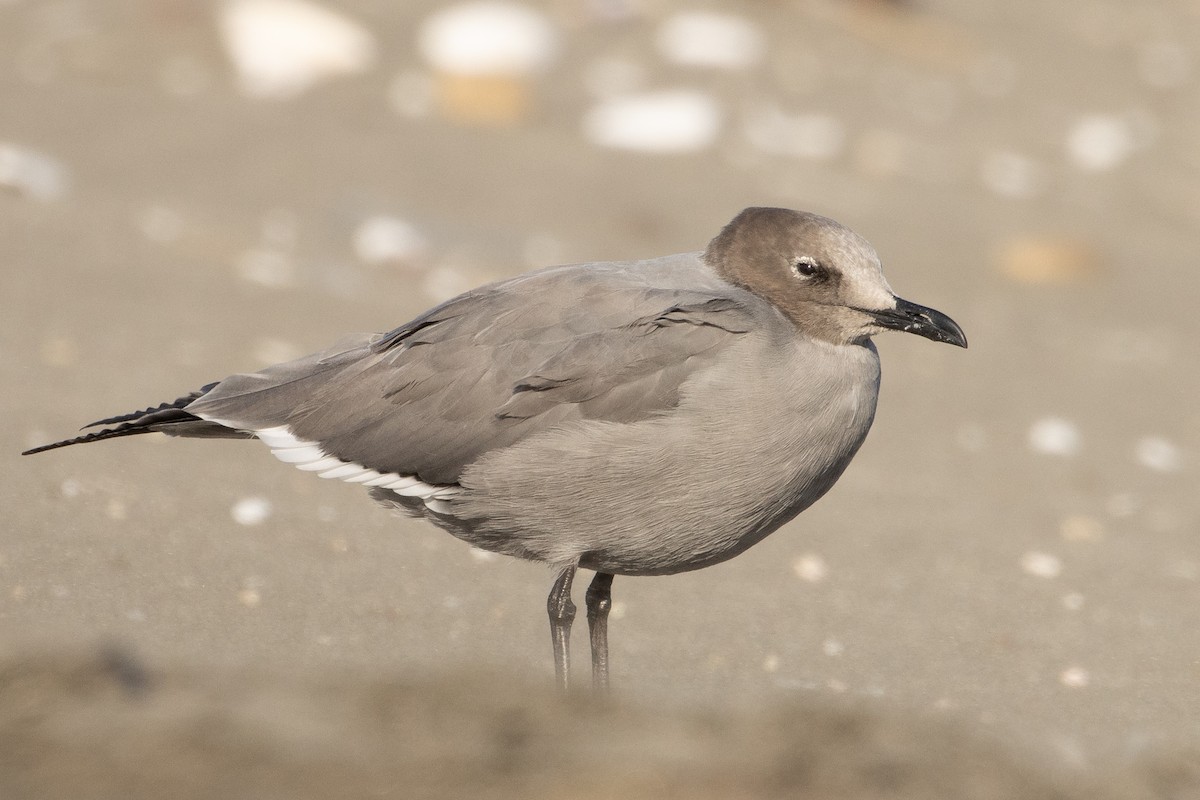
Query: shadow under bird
column 631, row 418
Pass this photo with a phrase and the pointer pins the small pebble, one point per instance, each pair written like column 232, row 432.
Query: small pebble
column 1055, row 436
column 1041, row 565
column 1037, row 260
column 832, row 647
column 251, row 510
column 483, row 54
column 771, row 663
column 483, row 100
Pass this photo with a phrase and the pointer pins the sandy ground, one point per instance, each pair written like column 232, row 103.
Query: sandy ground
column 1013, row 555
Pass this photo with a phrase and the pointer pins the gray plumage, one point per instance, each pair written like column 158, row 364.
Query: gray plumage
column 634, row 418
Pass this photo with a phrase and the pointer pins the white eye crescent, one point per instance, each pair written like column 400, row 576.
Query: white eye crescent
column 806, row 267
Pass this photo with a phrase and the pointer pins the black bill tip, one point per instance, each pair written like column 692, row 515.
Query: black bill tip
column 927, row 322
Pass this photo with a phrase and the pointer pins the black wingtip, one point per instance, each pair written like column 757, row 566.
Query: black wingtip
column 45, row 447
column 110, row 433
column 52, row 446
column 145, row 421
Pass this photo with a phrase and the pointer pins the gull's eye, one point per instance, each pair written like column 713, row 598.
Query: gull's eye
column 806, row 267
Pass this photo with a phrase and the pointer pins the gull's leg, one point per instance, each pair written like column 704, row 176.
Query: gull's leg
column 599, row 601
column 562, row 614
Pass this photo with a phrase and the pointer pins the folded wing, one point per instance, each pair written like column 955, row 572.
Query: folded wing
column 487, row 369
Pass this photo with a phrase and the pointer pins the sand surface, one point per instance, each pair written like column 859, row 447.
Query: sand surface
column 1013, row 555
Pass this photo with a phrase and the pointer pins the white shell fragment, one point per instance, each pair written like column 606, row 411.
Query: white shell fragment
column 1159, row 454
column 383, row 239
column 1100, row 142
column 488, row 37
column 710, row 39
column 1041, row 565
column 810, row 567
column 281, row 48
column 679, row 121
column 1074, row 677
column 1055, row 436
column 251, row 510
column 30, row 173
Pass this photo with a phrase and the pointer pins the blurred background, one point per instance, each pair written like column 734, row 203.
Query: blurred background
column 191, row 189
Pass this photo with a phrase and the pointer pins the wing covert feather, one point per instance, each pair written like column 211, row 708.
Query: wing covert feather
column 489, row 368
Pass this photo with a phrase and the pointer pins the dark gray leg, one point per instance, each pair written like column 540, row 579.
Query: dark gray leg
column 562, row 614
column 599, row 601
